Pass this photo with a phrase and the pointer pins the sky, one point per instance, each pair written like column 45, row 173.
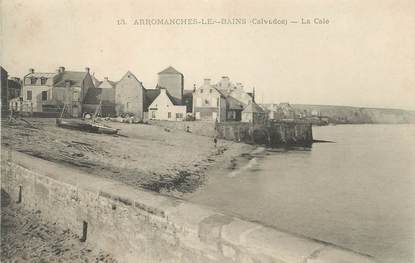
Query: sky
column 364, row 56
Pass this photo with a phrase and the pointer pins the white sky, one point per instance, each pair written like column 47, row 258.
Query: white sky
column 364, row 57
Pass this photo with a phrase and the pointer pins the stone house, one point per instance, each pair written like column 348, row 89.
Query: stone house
column 173, row 81
column 253, row 113
column 223, row 101
column 166, row 107
column 49, row 92
column 36, row 90
column 10, row 89
column 130, row 97
column 4, row 87
column 102, row 96
column 209, row 103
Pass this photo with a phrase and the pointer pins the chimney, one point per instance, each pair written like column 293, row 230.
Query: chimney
column 194, row 87
column 31, row 70
column 87, row 69
column 206, row 81
column 224, row 82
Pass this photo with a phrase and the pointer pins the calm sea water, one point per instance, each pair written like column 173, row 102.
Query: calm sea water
column 358, row 192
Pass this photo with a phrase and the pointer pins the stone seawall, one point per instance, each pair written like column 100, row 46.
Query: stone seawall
column 139, row 226
column 271, row 134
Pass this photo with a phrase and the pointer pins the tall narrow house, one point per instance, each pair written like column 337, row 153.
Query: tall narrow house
column 129, row 96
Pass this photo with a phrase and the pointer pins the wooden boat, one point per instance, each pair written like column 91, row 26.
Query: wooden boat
column 104, row 129
column 82, row 125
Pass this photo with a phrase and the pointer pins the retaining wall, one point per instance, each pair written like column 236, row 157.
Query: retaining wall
column 139, row 226
column 272, row 134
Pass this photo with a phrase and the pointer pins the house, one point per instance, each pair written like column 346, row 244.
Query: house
column 4, row 88
column 14, row 88
column 253, row 113
column 130, row 97
column 223, row 101
column 173, row 81
column 37, row 87
column 166, row 107
column 105, row 84
column 281, row 111
column 102, row 96
column 209, row 103
column 226, row 87
column 69, row 89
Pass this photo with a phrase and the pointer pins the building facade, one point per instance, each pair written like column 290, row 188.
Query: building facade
column 130, row 96
column 4, row 88
column 209, row 103
column 50, row 92
column 166, row 107
column 253, row 113
column 173, row 81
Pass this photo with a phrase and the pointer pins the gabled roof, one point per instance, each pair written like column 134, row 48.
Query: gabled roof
column 111, row 83
column 170, row 70
column 75, row 78
column 252, row 107
column 128, row 73
column 174, row 100
column 234, row 104
column 150, row 96
column 41, row 74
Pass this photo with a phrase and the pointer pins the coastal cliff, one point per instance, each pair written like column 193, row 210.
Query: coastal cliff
column 359, row 115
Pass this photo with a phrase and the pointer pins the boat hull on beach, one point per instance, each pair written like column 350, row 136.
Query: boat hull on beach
column 84, row 126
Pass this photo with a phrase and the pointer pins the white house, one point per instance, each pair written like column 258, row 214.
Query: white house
column 166, row 107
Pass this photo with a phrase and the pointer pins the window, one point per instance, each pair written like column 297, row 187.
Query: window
column 29, row 95
column 43, row 81
column 75, row 96
column 44, row 95
column 206, row 102
column 179, row 115
column 33, row 81
column 169, row 115
column 153, row 114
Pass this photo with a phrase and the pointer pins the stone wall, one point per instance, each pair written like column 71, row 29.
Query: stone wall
column 272, row 134
column 139, row 226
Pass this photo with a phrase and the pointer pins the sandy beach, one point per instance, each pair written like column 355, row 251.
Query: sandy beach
column 145, row 156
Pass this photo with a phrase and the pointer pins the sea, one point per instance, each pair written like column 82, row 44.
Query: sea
column 357, row 190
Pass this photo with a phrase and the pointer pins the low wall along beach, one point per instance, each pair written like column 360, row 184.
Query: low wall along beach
column 140, row 226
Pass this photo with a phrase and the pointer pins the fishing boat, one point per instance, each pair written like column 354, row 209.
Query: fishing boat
column 82, row 125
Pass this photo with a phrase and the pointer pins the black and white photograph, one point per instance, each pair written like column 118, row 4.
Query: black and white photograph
column 235, row 131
